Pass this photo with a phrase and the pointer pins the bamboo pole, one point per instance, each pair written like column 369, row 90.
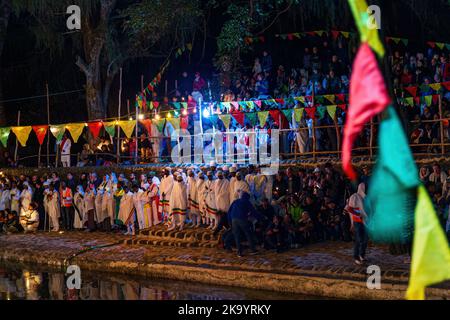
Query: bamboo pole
column 17, row 140
column 137, row 122
column 314, row 123
column 118, row 118
column 48, row 123
column 441, row 125
column 371, row 139
column 338, row 135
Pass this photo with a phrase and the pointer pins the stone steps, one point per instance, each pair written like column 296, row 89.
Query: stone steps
column 187, row 238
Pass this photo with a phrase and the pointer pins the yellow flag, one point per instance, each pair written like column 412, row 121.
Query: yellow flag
column 431, row 254
column 298, row 114
column 75, row 130
column 128, row 127
column 22, row 134
column 367, row 28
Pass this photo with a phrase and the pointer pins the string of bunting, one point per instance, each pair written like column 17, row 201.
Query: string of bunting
column 336, row 34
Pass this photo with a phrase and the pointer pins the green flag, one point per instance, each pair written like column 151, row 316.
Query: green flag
column 288, row 114
column 4, row 135
column 430, row 262
column 110, row 128
column 58, row 131
column 331, row 111
column 159, row 123
column 392, row 190
column 214, row 118
column 252, row 117
column 321, row 111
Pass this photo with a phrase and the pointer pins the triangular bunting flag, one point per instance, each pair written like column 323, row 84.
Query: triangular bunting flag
column 341, row 97
column 275, row 114
column 288, row 114
column 75, row 130
column 440, row 45
column 4, row 135
column 94, row 128
column 128, row 127
column 300, row 99
column 368, row 97
column 214, row 120
column 184, row 122
column 41, row 132
column 311, row 112
column 262, row 116
column 435, row 98
column 22, row 134
column 175, row 122
column 335, row 34
column 405, row 41
column 412, row 90
column 446, row 85
column 239, row 117
column 321, row 111
column 58, row 131
column 226, row 119
column 331, row 98
column 332, row 111
column 159, row 123
column 110, row 128
column 409, row 101
column 428, row 100
column 345, row 34
column 367, row 32
column 252, row 117
column 435, row 86
column 147, row 123
column 298, row 114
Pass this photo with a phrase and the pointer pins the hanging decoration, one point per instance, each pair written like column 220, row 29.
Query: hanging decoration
column 41, row 132
column 94, row 128
column 22, row 134
column 58, row 131
column 75, row 130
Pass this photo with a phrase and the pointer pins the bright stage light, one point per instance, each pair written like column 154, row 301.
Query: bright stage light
column 206, row 113
column 185, row 113
column 141, row 117
column 130, row 118
column 169, row 115
column 157, row 117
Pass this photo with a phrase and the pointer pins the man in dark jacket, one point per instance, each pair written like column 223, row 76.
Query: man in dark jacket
column 238, row 217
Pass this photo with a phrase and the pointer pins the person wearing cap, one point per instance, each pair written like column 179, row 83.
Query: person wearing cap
column 210, row 201
column 232, row 183
column 222, row 192
column 201, row 193
column 151, row 204
column 226, row 172
column 193, row 208
column 178, row 204
column 165, row 191
column 51, row 205
column 239, row 186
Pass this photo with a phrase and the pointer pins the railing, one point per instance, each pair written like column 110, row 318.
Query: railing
column 290, row 151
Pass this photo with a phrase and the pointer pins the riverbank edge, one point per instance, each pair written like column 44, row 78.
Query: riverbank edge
column 305, row 282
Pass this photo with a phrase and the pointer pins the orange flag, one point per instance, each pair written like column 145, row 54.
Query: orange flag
column 368, row 97
column 41, row 132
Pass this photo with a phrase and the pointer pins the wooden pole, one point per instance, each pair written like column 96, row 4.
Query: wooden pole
column 166, row 88
column 17, row 140
column 48, row 123
column 137, row 122
column 314, row 123
column 118, row 118
column 128, row 106
column 441, row 125
column 338, row 136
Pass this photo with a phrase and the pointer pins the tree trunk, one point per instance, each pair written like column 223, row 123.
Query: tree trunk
column 94, row 39
column 5, row 12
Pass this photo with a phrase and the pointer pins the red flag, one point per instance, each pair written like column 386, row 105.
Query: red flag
column 155, row 104
column 343, row 107
column 435, row 98
column 275, row 114
column 311, row 112
column 412, row 90
column 41, row 132
column 368, row 97
column 95, row 127
column 341, row 97
column 432, row 44
column 335, row 34
column 446, row 85
column 239, row 116
column 147, row 123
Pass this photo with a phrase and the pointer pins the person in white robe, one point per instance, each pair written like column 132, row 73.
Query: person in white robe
column 66, row 145
column 259, row 186
column 151, row 206
column 139, row 206
column 98, row 205
column 15, row 198
column 239, row 186
column 29, row 218
column 222, row 194
column 91, row 216
column 232, row 183
column 156, row 141
column 126, row 206
column 210, row 200
column 25, row 196
column 165, row 191
column 193, row 208
column 178, row 203
column 51, row 204
column 201, row 197
column 5, row 198
column 80, row 214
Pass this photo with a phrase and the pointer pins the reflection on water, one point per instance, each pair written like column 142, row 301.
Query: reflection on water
column 40, row 284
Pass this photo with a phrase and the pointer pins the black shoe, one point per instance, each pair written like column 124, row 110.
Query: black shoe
column 255, row 252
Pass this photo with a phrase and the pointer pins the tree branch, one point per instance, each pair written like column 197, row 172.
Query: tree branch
column 83, row 66
column 276, row 18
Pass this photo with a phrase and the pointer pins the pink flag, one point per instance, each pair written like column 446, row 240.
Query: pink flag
column 368, row 97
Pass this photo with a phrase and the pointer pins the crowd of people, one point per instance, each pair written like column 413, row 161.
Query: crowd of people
column 291, row 209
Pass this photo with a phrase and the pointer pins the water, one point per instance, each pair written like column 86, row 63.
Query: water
column 21, row 282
